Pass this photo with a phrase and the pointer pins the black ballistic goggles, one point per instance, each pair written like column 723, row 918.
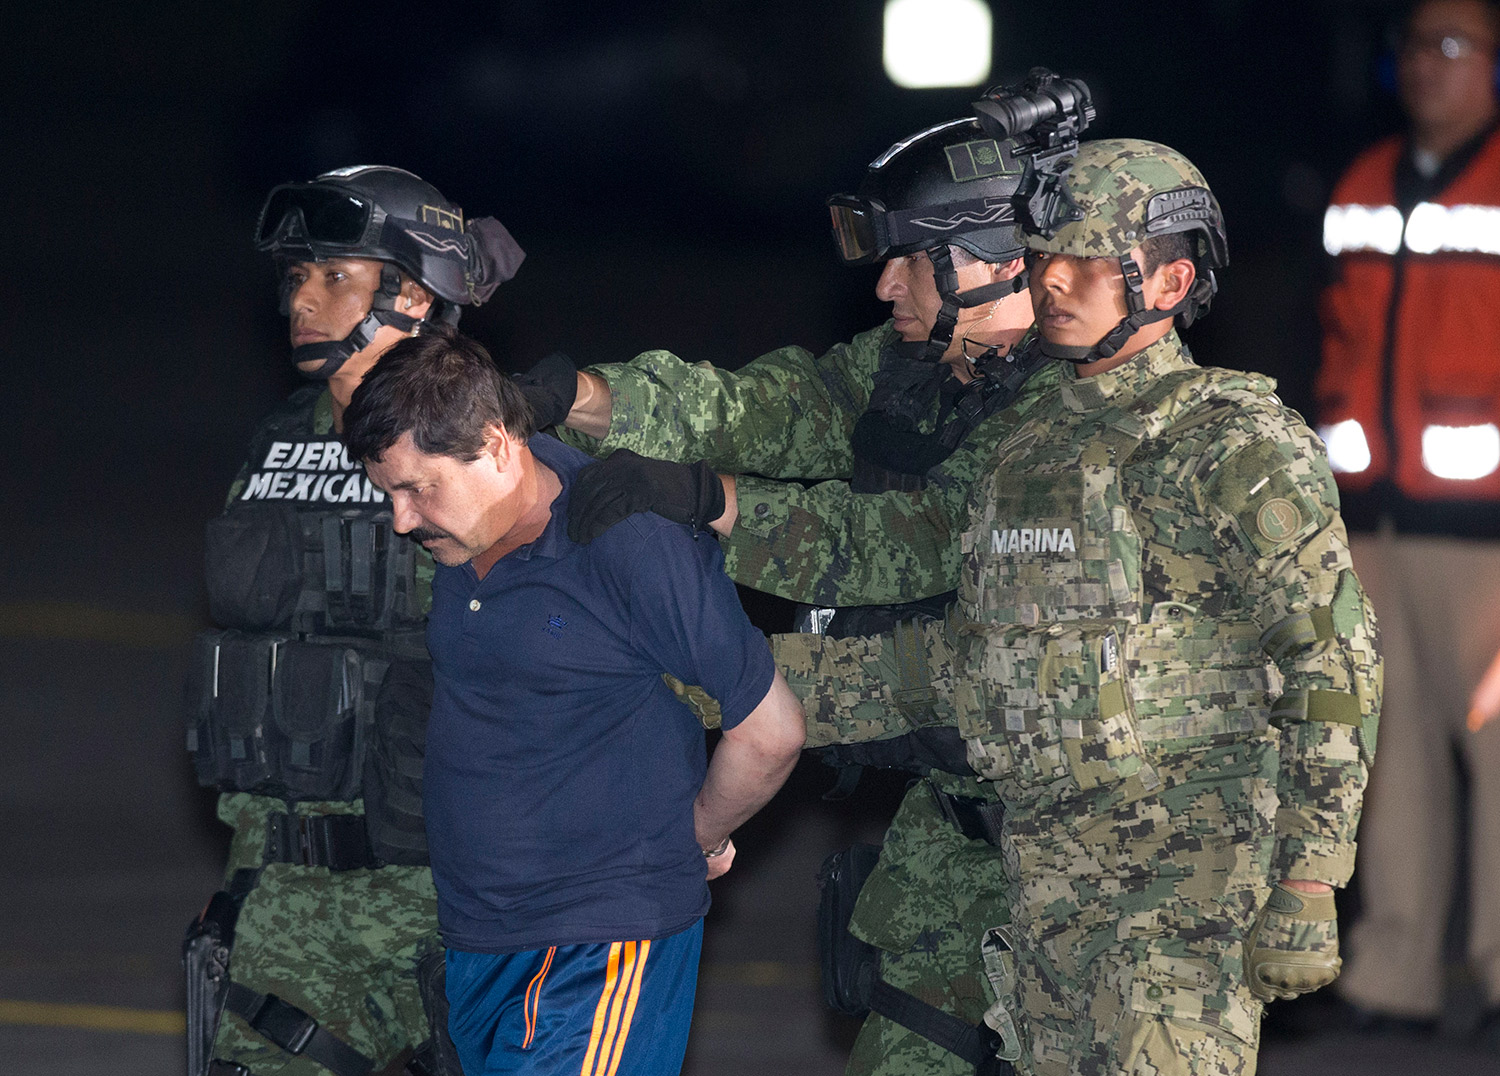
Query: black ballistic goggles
column 313, row 214
column 864, row 231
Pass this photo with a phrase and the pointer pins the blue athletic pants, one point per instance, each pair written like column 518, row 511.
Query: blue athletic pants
column 606, row 1009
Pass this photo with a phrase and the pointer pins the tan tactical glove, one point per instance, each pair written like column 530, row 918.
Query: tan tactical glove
column 1293, row 948
column 704, row 706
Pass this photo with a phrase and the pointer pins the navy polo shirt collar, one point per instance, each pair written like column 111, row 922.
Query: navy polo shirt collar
column 553, row 542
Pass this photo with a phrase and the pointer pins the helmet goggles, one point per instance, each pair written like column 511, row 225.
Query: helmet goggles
column 318, row 216
column 865, row 231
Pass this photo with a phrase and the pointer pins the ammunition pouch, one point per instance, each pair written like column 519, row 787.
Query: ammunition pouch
column 280, row 716
column 976, row 819
column 929, row 746
column 205, row 963
column 393, row 764
column 272, row 566
column 851, row 970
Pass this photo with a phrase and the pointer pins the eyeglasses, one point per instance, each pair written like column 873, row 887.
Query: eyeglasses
column 1446, row 46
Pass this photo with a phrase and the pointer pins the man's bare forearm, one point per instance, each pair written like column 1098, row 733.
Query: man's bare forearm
column 750, row 763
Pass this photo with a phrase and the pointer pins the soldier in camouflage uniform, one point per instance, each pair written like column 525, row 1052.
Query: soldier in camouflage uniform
column 866, row 421
column 308, row 711
column 1160, row 658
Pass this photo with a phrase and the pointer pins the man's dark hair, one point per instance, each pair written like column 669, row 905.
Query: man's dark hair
column 1160, row 249
column 444, row 389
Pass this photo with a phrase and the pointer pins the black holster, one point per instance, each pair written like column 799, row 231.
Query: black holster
column 850, row 966
column 205, row 962
column 851, row 970
column 437, row 1056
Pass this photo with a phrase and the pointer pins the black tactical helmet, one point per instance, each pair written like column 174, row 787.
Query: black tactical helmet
column 950, row 184
column 388, row 214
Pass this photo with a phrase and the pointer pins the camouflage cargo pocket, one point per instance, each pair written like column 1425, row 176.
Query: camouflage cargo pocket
column 1049, row 704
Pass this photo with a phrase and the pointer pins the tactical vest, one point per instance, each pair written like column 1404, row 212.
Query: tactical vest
column 306, row 545
column 318, row 597
column 892, row 453
column 1070, row 680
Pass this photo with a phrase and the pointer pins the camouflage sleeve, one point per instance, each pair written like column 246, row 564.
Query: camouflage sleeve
column 1266, row 487
column 786, row 414
column 870, row 687
column 828, row 545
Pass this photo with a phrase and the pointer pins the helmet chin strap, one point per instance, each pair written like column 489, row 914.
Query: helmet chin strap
column 1138, row 316
column 332, row 354
column 945, row 276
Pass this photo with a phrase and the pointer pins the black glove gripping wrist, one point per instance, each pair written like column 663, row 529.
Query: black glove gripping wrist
column 626, row 483
column 550, row 387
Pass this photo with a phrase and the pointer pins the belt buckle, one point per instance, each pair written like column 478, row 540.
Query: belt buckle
column 304, row 840
column 284, row 1024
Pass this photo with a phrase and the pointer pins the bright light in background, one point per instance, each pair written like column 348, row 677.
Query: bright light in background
column 931, row 43
column 1463, row 452
column 1348, row 451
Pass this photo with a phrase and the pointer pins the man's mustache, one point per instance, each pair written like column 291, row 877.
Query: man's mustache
column 427, row 534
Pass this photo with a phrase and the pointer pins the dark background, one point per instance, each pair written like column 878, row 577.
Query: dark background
column 664, row 165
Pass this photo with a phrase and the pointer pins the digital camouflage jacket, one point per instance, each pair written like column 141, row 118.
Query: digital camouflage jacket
column 1153, row 564
column 790, row 415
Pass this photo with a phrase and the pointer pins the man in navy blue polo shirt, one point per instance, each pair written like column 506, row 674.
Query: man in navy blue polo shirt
column 569, row 802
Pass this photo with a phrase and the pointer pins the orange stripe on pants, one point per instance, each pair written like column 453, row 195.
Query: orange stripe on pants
column 611, row 979
column 635, row 993
column 533, row 1006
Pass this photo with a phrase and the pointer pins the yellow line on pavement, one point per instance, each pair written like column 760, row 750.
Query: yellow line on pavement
column 77, row 622
column 93, row 1017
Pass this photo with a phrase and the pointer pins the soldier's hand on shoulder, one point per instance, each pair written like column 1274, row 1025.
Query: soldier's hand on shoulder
column 626, row 483
column 550, row 387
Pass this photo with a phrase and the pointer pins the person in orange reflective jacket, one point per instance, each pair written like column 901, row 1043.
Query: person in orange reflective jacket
column 1409, row 402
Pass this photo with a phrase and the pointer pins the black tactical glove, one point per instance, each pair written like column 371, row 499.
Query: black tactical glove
column 626, row 483
column 550, row 387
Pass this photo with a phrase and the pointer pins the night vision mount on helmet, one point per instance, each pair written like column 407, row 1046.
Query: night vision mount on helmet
column 393, row 216
column 960, row 183
column 1113, row 196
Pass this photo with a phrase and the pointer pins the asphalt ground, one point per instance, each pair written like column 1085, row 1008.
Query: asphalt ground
column 110, row 848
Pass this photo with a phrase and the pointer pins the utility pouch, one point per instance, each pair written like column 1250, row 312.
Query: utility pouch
column 271, row 566
column 253, row 564
column 850, row 967
column 393, row 764
column 280, row 716
column 1049, row 704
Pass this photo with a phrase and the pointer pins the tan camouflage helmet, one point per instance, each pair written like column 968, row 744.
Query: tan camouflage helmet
column 1114, row 195
column 1124, row 190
